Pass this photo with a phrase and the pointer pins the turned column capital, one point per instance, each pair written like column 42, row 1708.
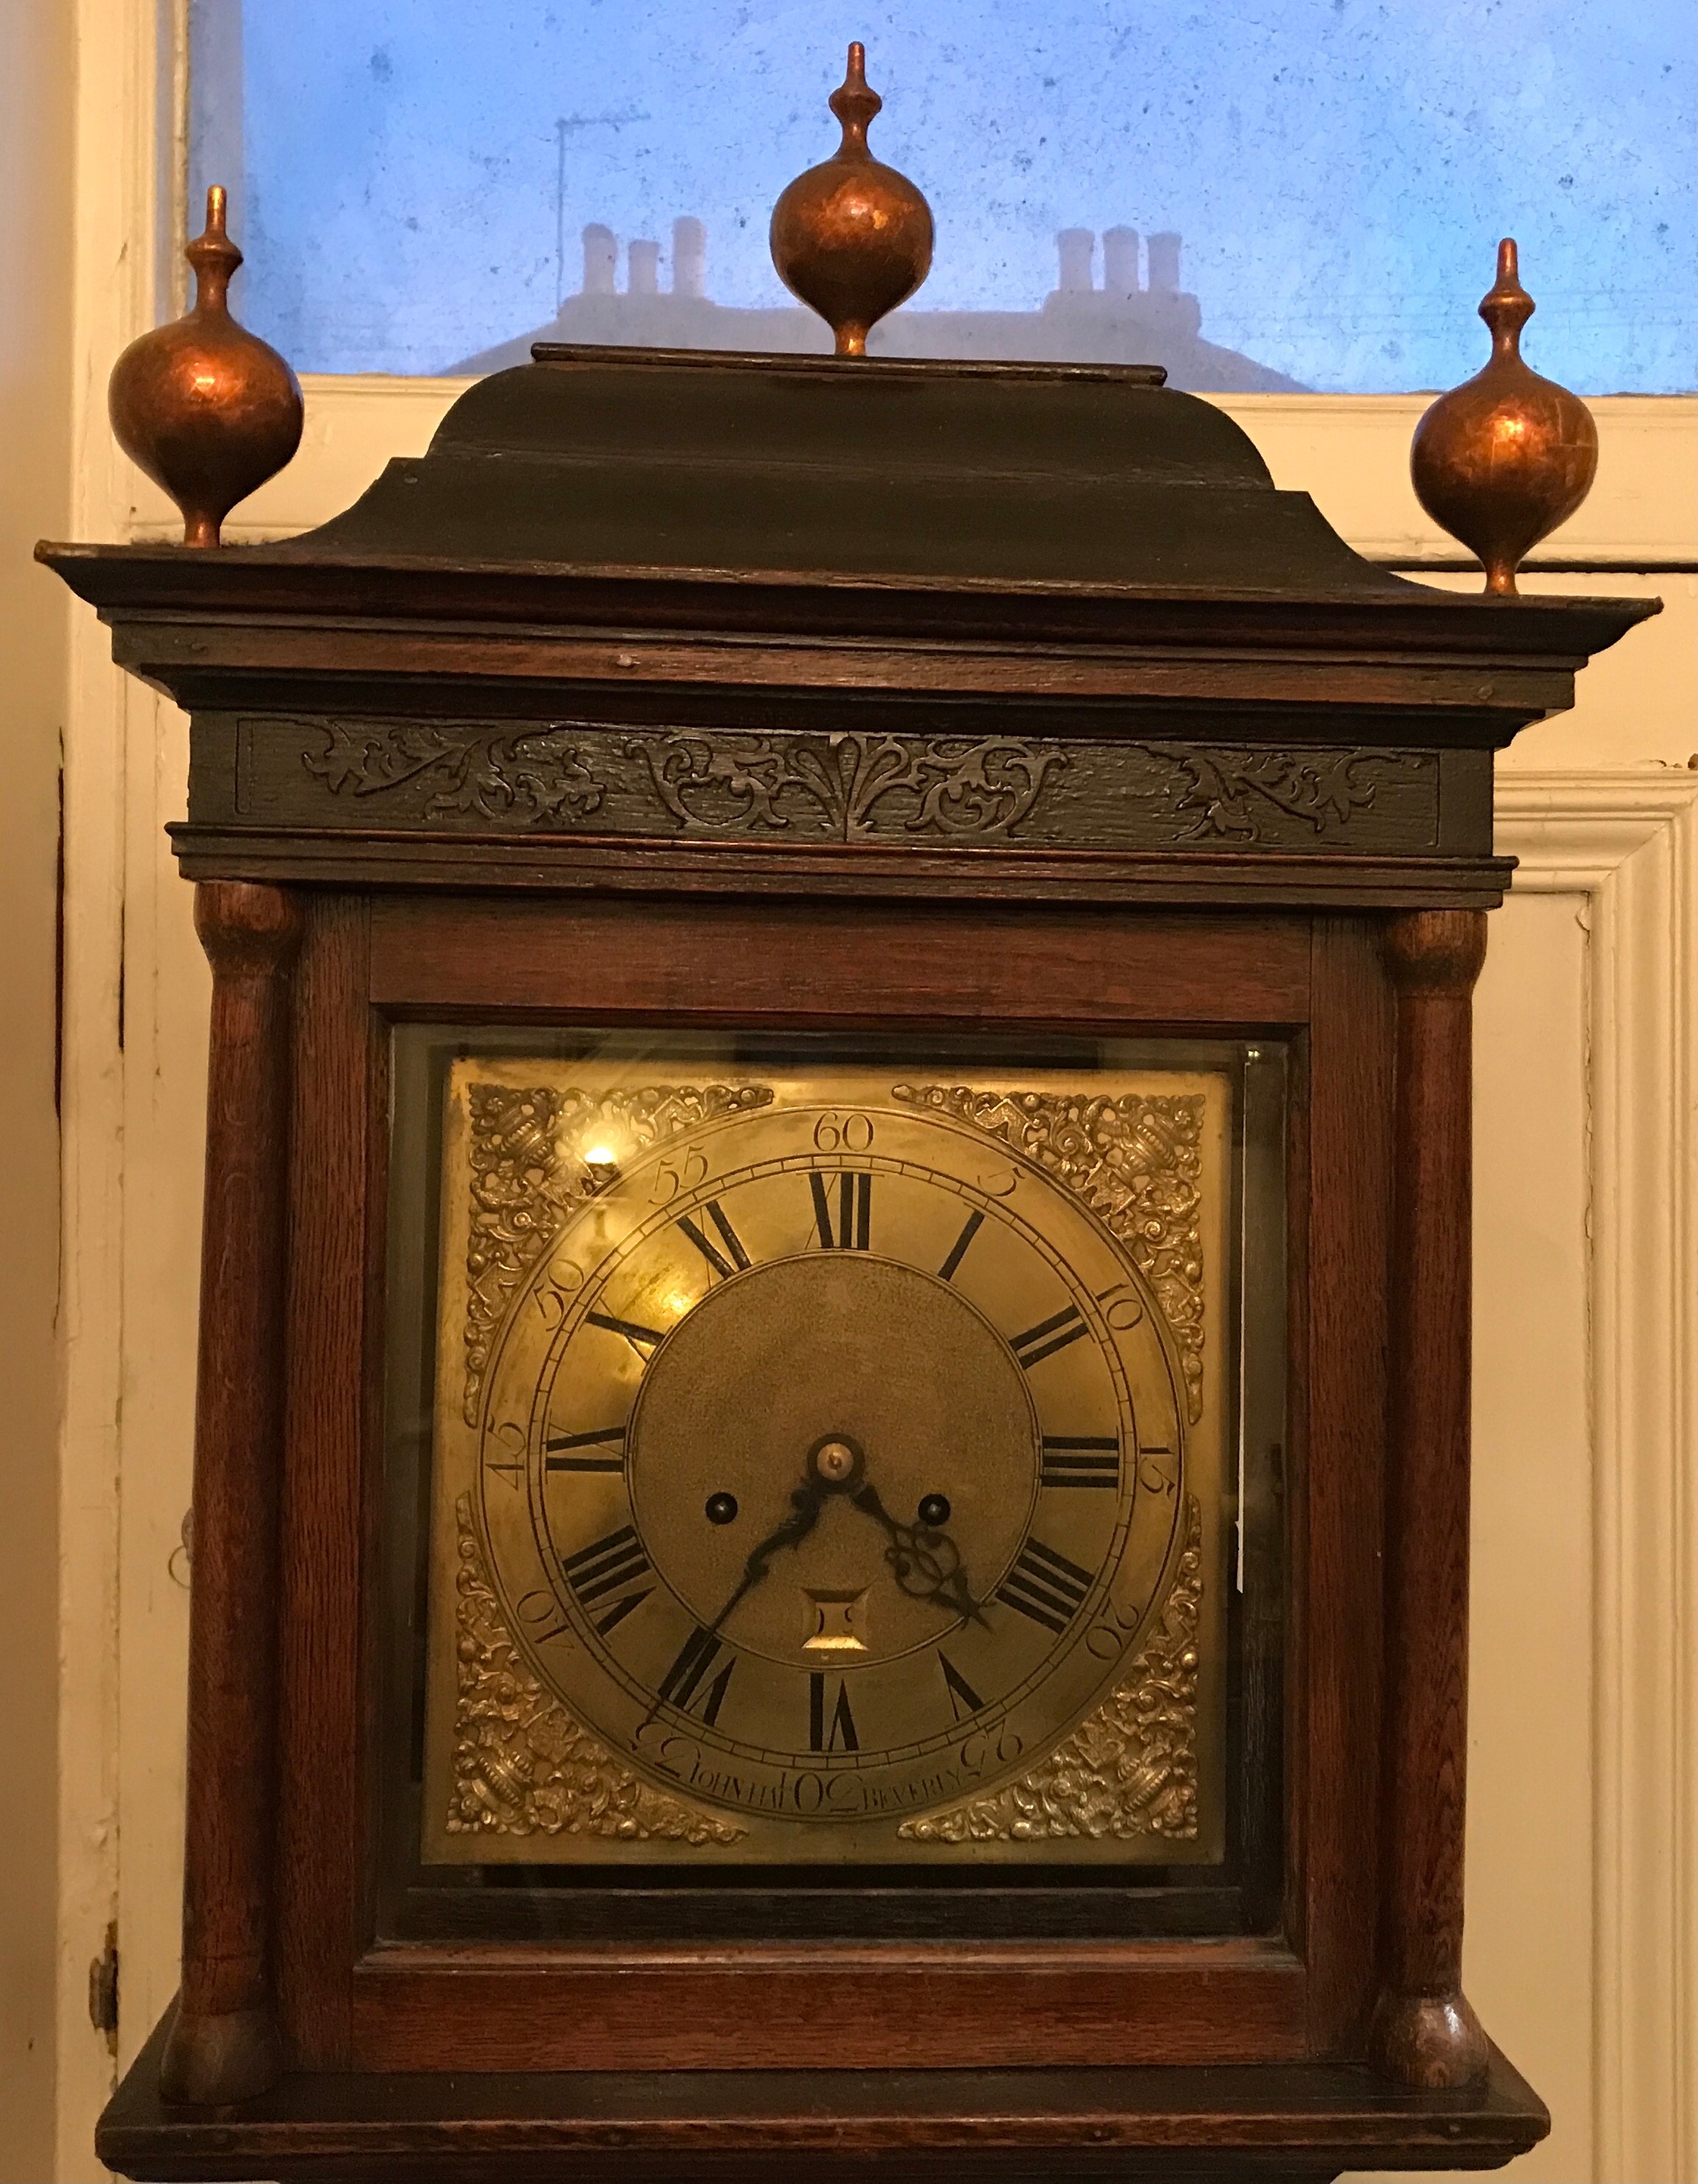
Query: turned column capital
column 1434, row 951
column 246, row 929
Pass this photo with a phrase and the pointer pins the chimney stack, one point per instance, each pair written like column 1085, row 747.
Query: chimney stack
column 689, row 258
column 1075, row 247
column 643, row 276
column 601, row 257
column 1120, row 261
column 1164, row 264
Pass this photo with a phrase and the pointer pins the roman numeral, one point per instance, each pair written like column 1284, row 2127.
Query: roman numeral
column 642, row 1339
column 1045, row 1585
column 854, row 1222
column 1080, row 1460
column 609, row 1565
column 958, row 1249
column 838, row 1733
column 962, row 1697
column 723, row 1266
column 687, row 1675
column 603, row 1437
column 1049, row 1336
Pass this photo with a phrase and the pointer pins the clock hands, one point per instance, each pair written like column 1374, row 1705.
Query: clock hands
column 808, row 1499
column 925, row 1563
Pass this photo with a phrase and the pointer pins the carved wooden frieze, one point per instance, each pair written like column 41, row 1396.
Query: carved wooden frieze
column 802, row 787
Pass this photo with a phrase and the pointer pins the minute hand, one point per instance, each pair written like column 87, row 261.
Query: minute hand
column 926, row 1563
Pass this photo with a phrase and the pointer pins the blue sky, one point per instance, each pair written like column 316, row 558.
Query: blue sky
column 1340, row 170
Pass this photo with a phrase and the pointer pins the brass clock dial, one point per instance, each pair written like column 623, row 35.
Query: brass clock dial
column 830, row 1461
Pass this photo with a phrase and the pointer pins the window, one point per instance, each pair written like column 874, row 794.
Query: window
column 1309, row 195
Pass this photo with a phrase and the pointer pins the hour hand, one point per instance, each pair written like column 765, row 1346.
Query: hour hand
column 808, row 1498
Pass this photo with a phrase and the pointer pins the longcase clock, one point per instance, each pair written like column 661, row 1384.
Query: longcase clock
column 831, row 1502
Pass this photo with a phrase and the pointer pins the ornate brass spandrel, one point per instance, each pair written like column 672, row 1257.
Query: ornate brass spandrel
column 1136, row 1160
column 522, row 1765
column 527, row 1177
column 1131, row 1769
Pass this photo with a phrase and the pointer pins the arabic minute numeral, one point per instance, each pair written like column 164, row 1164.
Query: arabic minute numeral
column 540, row 1613
column 1045, row 1586
column 510, row 1441
column 852, row 1132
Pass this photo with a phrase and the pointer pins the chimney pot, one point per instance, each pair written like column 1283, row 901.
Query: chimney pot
column 601, row 256
column 689, row 257
column 643, row 276
column 1120, row 261
column 1164, row 264
column 1075, row 248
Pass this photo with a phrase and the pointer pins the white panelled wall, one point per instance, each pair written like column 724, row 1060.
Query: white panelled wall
column 1581, row 1952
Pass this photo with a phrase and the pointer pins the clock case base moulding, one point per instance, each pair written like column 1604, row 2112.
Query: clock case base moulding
column 1302, row 2126
column 786, row 693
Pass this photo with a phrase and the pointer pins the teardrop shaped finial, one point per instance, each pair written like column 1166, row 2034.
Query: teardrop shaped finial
column 208, row 409
column 852, row 237
column 1502, row 460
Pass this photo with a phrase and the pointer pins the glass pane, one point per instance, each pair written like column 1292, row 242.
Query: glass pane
column 1257, row 198
column 834, row 1452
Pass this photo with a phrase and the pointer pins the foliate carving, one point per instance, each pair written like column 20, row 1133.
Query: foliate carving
column 1136, row 1162
column 1232, row 796
column 849, row 785
column 522, row 1766
column 1131, row 1769
column 526, row 1178
column 528, row 771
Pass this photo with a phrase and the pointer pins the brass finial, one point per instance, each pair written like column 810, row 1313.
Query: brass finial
column 852, row 237
column 1502, row 460
column 208, row 409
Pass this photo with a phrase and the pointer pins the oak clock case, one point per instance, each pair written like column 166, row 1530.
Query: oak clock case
column 689, row 757
column 839, row 1458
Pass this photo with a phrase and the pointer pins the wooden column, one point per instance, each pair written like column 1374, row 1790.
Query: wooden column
column 1425, row 2033
column 223, row 2044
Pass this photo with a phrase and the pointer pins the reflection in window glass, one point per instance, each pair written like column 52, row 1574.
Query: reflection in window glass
column 1257, row 196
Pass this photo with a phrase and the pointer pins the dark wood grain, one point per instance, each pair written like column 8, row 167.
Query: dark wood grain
column 1272, row 879
column 223, row 2043
column 966, row 2003
column 1345, row 1213
column 1017, row 2126
column 1425, row 2034
column 804, row 963
column 321, row 1812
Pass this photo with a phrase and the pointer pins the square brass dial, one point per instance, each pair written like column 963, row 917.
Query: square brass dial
column 830, row 1465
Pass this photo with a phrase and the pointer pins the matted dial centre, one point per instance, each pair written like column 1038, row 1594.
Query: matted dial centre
column 830, row 1384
